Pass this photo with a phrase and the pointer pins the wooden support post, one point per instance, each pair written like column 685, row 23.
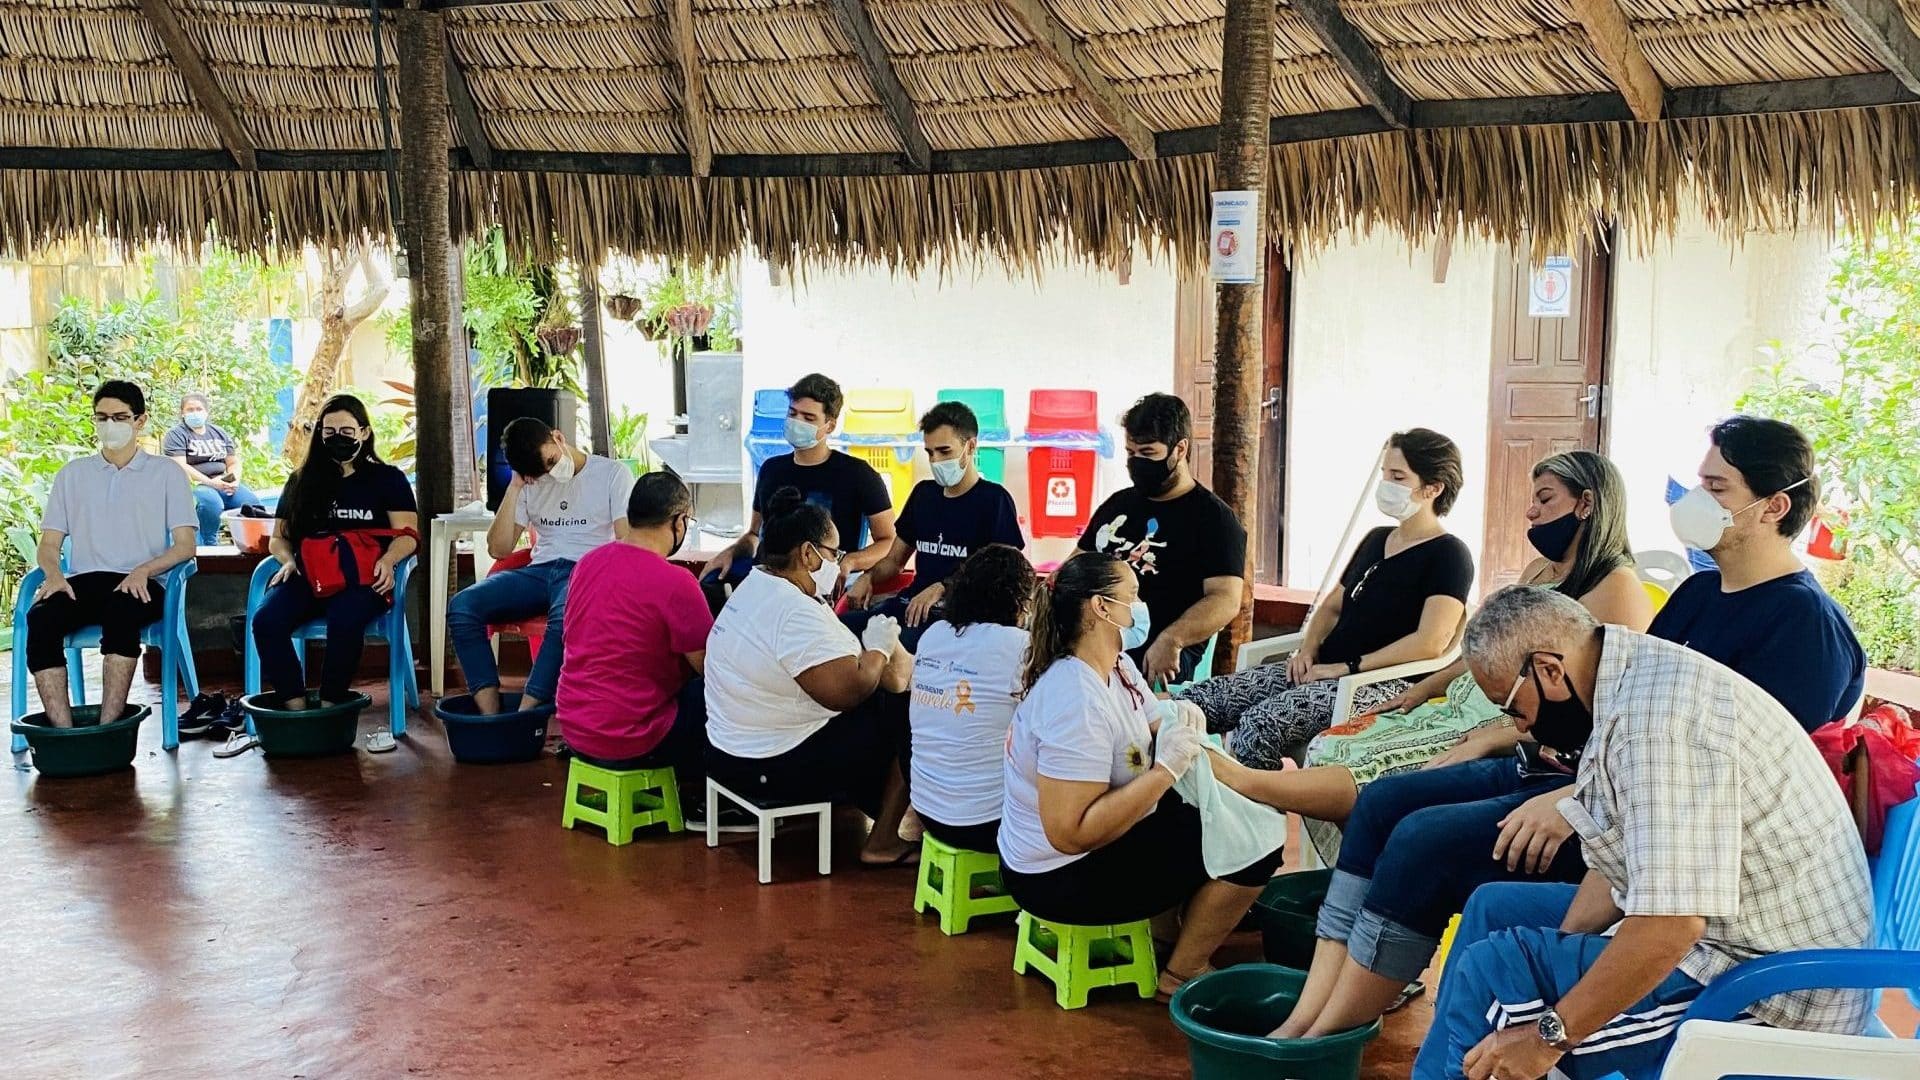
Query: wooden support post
column 1612, row 37
column 858, row 26
column 1883, row 29
column 466, row 117
column 1241, row 164
column 193, row 70
column 593, row 350
column 1052, row 37
column 424, row 172
column 693, row 88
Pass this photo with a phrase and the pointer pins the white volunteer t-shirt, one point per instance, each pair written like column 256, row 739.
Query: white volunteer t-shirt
column 1073, row 725
column 768, row 634
column 568, row 520
column 963, row 700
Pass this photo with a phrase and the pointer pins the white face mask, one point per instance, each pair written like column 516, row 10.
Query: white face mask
column 1700, row 522
column 113, row 434
column 562, row 471
column 949, row 473
column 825, row 577
column 1395, row 500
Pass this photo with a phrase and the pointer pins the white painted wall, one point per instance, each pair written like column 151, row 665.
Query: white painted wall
column 1379, row 347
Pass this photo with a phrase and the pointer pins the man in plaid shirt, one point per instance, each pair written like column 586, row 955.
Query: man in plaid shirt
column 1712, row 831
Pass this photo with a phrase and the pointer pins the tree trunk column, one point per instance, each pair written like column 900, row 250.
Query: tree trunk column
column 424, row 183
column 1241, row 164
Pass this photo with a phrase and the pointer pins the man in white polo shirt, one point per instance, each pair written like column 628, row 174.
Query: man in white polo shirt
column 130, row 518
column 572, row 502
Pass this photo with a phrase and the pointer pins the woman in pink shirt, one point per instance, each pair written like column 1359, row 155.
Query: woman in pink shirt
column 630, row 693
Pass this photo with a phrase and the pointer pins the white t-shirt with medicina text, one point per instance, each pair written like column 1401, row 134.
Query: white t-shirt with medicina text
column 964, row 686
column 768, row 634
column 568, row 520
column 1075, row 724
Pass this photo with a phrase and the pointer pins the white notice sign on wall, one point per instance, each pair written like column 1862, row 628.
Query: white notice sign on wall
column 1234, row 255
column 1551, row 294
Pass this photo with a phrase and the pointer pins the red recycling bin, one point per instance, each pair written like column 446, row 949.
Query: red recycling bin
column 1060, row 482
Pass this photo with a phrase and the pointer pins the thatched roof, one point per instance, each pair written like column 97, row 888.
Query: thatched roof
column 1509, row 119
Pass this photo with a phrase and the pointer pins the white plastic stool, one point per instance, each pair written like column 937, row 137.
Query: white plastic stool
column 767, row 818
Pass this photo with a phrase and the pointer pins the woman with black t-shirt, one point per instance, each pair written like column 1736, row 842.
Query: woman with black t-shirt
column 341, row 485
column 1401, row 599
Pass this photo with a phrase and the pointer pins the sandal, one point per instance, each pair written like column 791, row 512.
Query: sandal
column 1169, row 982
column 381, row 742
column 909, row 857
column 1412, row 990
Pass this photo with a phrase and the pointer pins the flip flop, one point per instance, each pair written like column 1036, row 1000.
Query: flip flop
column 381, row 742
column 1163, row 993
column 1412, row 990
column 909, row 857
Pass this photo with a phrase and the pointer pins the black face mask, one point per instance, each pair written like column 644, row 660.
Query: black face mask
column 1553, row 538
column 341, row 448
column 1563, row 725
column 679, row 538
column 1149, row 475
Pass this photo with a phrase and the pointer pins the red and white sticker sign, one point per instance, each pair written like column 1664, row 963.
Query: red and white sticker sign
column 1235, row 234
column 1550, row 295
column 1060, row 497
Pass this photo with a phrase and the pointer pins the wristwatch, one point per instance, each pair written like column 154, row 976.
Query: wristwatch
column 1353, row 666
column 1553, row 1032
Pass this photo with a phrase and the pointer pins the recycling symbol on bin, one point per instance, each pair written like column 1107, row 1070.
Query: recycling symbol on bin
column 1061, row 489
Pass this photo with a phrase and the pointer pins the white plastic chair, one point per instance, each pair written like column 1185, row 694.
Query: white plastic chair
column 1266, row 649
column 1663, row 568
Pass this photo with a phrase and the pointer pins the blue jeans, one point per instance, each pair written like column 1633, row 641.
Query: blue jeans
column 291, row 605
column 1415, row 848
column 1507, row 905
column 510, row 596
column 1511, row 977
column 208, row 502
column 896, row 606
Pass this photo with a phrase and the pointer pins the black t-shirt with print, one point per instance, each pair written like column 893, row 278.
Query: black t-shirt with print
column 847, row 488
column 365, row 498
column 1385, row 595
column 942, row 532
column 1174, row 547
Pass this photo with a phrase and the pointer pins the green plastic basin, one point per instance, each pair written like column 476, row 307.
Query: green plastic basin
column 89, row 747
column 329, row 729
column 1226, row 1014
column 1287, row 911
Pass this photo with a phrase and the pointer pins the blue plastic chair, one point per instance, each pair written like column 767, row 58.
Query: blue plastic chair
column 168, row 634
column 403, row 684
column 767, row 432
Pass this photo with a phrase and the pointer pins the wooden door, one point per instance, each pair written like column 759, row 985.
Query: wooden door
column 1193, row 380
column 1548, row 395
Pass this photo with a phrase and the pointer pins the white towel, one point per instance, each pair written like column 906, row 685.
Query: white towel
column 1235, row 831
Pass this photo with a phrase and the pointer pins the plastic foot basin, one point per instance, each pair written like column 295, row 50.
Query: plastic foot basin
column 1226, row 1014
column 325, row 729
column 1286, row 912
column 89, row 747
column 477, row 739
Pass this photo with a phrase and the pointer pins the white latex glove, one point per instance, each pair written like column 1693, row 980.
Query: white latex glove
column 1191, row 715
column 881, row 635
column 1175, row 748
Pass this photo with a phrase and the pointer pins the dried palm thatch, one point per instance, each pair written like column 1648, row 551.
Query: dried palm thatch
column 581, row 104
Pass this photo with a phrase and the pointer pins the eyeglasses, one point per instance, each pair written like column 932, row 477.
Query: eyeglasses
column 120, row 417
column 1526, row 672
column 330, row 432
column 831, row 554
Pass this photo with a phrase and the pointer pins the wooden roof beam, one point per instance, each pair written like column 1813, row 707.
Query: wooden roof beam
column 858, row 26
column 693, row 89
column 1358, row 58
column 1885, row 32
column 1059, row 43
column 193, row 68
column 466, row 114
column 1612, row 39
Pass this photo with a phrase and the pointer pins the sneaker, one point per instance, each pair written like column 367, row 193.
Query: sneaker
column 732, row 820
column 237, row 743
column 231, row 719
column 202, row 713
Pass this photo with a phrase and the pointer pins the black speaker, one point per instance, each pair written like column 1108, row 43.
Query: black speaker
column 554, row 408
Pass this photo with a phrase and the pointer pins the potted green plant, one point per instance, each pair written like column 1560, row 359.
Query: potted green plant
column 628, row 440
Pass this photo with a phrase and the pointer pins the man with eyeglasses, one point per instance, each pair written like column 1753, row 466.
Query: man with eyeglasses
column 126, row 517
column 1713, row 833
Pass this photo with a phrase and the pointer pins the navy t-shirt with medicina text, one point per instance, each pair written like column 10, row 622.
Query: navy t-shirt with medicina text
column 206, row 450
column 1786, row 636
column 365, row 499
column 847, row 488
column 1173, row 548
column 1387, row 594
column 943, row 531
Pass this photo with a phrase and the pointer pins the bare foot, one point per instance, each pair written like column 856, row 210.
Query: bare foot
column 884, row 852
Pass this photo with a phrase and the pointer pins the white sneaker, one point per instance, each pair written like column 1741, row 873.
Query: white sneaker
column 237, row 743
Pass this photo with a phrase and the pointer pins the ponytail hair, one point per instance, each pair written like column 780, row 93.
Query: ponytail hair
column 1060, row 610
column 789, row 522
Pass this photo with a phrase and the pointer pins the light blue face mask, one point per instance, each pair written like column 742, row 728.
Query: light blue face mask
column 195, row 419
column 802, row 435
column 1134, row 636
column 949, row 473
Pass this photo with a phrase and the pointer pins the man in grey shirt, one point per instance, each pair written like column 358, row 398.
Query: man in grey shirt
column 130, row 518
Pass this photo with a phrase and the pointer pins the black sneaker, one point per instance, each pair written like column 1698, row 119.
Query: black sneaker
column 732, row 819
column 202, row 713
column 231, row 719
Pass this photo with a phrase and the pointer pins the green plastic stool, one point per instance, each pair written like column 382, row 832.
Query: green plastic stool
column 948, row 878
column 621, row 802
column 1079, row 958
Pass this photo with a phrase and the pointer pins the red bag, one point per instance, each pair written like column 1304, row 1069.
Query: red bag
column 334, row 562
column 1873, row 761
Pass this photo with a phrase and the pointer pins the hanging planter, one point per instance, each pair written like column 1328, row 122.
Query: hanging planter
column 559, row 340
column 652, row 329
column 624, row 308
column 690, row 320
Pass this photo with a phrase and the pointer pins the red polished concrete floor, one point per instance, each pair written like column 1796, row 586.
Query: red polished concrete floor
column 381, row 916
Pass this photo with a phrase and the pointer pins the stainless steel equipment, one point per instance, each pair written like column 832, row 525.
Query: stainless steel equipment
column 707, row 449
